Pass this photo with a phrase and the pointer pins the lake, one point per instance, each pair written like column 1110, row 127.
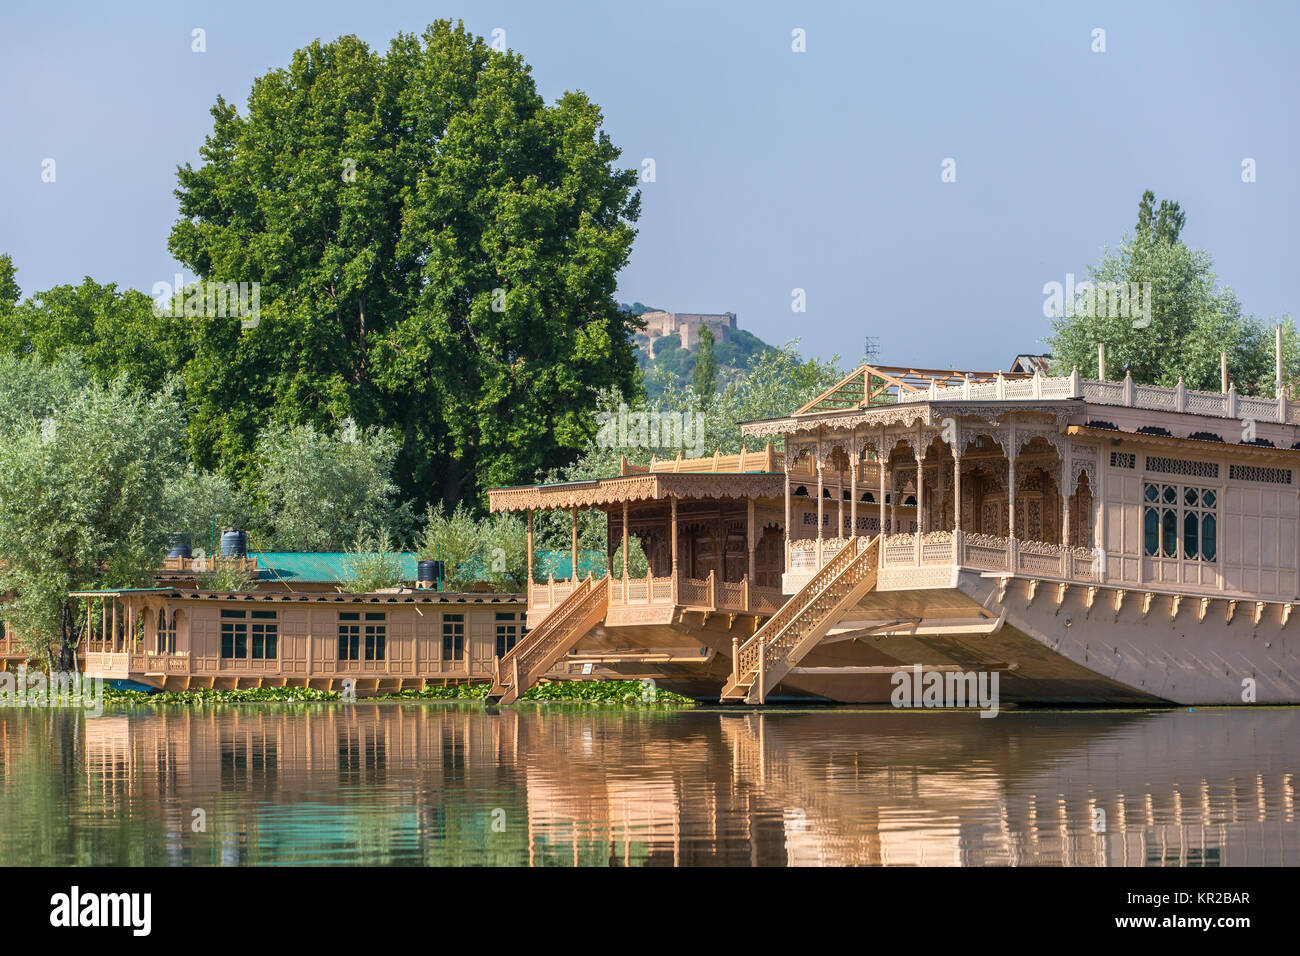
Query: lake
column 419, row 783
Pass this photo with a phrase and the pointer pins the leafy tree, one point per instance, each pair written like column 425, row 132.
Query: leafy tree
column 437, row 251
column 202, row 504
column 82, row 506
column 1192, row 317
column 704, row 377
column 10, row 293
column 112, row 333
column 315, row 489
column 455, row 539
column 1164, row 224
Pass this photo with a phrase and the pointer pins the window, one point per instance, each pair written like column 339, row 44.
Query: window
column 453, row 637
column 376, row 632
column 349, row 636
column 166, row 642
column 509, row 630
column 241, row 630
column 1180, row 522
column 1123, row 459
column 266, row 633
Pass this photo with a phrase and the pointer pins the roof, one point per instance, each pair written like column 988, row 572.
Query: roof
column 882, row 384
column 598, row 492
column 405, row 596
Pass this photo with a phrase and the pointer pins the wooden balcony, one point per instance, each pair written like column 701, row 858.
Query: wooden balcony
column 653, row 600
column 932, row 559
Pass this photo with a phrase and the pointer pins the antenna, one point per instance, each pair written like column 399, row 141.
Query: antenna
column 870, row 349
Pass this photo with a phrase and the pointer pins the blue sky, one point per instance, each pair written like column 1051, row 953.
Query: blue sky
column 775, row 170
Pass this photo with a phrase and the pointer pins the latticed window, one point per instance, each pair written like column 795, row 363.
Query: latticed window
column 1123, row 459
column 1180, row 522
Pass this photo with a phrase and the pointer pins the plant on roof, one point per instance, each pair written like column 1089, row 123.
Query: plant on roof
column 371, row 563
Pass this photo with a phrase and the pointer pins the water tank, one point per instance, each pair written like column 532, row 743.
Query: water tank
column 427, row 571
column 179, row 545
column 234, row 544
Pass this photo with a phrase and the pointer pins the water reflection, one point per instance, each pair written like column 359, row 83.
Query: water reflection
column 399, row 783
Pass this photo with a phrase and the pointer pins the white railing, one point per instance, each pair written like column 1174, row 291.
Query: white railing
column 979, row 552
column 1126, row 393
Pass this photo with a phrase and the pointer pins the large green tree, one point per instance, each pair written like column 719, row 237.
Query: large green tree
column 111, row 332
column 437, row 250
column 1193, row 317
column 82, row 473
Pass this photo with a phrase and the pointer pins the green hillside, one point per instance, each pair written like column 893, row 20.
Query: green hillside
column 733, row 356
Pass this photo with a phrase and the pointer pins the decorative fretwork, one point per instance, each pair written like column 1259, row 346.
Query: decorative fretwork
column 1273, row 476
column 1123, row 459
column 1182, row 466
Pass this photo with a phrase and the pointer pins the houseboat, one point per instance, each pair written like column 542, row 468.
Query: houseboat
column 1087, row 541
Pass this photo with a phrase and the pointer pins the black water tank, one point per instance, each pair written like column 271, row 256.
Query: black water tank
column 179, row 544
column 429, row 571
column 234, row 544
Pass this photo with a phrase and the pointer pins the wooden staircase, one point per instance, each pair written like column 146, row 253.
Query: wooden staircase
column 783, row 640
column 549, row 641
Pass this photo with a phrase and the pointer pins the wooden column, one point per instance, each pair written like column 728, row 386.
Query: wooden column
column 882, row 459
column 751, row 539
column 853, row 496
column 956, row 490
column 574, row 576
column 1011, row 482
column 673, row 501
column 839, row 503
column 530, row 549
column 625, row 552
column 115, row 647
column 787, row 509
column 1064, row 490
column 920, row 494
column 821, row 510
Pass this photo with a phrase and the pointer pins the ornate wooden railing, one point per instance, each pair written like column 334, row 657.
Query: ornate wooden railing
column 772, row 643
column 542, row 646
column 703, row 593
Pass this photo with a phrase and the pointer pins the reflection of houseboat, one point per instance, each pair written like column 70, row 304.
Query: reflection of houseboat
column 1089, row 541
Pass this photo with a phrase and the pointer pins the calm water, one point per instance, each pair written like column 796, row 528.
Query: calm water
column 404, row 783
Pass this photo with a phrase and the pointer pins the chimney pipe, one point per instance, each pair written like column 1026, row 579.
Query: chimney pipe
column 1101, row 361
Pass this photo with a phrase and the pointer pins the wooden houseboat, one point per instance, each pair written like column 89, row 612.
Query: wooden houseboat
column 1089, row 541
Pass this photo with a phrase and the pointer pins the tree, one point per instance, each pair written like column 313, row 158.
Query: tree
column 455, row 539
column 1159, row 225
column 111, row 333
column 316, row 489
column 776, row 382
column 10, row 293
column 436, row 250
column 704, row 377
column 1192, row 317
column 82, row 506
column 202, row 504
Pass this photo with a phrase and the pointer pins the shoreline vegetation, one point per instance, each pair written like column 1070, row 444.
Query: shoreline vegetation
column 620, row 692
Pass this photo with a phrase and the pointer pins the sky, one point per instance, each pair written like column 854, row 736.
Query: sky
column 774, row 170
